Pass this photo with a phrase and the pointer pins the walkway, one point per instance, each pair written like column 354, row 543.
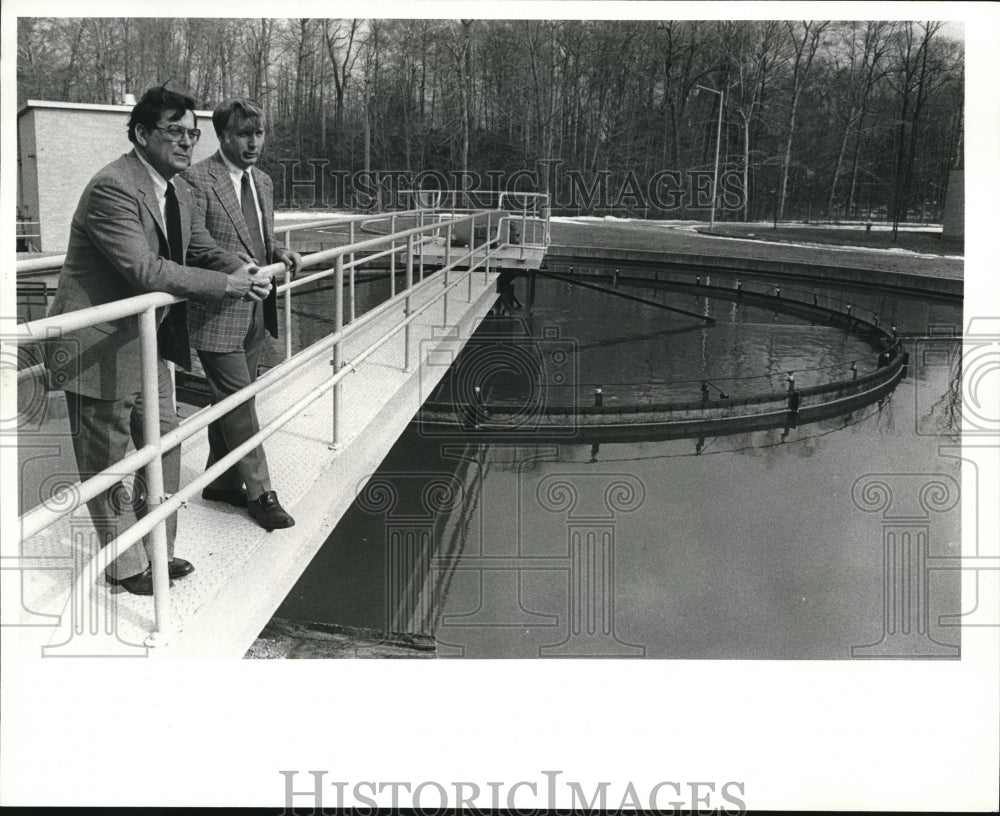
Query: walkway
column 242, row 572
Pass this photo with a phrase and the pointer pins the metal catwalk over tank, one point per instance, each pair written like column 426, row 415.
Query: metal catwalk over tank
column 329, row 412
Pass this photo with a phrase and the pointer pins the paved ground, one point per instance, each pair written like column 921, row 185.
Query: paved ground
column 678, row 237
column 925, row 239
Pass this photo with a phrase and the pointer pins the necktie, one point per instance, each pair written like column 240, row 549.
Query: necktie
column 173, row 213
column 250, row 216
column 172, row 335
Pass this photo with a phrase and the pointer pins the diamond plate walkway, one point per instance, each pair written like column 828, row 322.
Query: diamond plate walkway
column 242, row 573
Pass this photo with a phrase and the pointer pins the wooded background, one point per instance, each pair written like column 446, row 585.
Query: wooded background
column 821, row 120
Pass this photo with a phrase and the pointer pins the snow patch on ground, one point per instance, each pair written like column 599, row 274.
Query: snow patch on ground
column 693, row 227
column 308, row 215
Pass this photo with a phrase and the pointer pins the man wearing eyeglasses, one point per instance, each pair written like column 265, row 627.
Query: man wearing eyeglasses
column 236, row 200
column 136, row 229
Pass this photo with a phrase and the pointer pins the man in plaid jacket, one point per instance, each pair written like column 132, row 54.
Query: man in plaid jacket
column 237, row 202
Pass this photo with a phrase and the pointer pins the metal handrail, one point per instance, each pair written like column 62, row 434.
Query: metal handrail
column 150, row 455
column 347, row 218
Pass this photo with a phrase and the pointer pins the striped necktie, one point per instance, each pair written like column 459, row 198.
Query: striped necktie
column 250, row 216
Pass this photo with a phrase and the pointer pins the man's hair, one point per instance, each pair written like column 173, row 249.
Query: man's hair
column 155, row 103
column 236, row 111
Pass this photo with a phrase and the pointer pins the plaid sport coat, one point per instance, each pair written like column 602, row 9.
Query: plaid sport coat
column 223, row 327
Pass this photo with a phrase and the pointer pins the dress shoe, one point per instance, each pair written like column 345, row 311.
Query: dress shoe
column 178, row 568
column 266, row 511
column 142, row 583
column 235, row 497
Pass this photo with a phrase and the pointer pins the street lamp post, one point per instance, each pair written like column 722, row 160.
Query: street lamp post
column 718, row 138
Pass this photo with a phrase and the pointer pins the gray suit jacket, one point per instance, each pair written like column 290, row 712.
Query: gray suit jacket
column 223, row 327
column 117, row 249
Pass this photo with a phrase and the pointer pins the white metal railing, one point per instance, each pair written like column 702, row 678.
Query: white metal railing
column 527, row 215
column 345, row 259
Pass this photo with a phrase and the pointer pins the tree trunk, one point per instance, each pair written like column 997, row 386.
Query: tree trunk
column 838, row 167
column 746, row 169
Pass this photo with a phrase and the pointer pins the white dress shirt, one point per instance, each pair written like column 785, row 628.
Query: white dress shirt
column 236, row 176
column 160, row 185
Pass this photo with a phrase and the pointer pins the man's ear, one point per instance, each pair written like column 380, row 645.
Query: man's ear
column 141, row 135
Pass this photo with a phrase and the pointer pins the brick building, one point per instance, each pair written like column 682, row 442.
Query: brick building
column 60, row 145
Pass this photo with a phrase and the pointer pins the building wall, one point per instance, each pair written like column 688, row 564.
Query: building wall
column 70, row 146
column 953, row 219
column 27, row 172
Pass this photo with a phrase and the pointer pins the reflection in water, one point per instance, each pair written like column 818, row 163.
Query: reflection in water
column 750, row 545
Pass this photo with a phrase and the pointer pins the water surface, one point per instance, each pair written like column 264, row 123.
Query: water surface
column 752, row 545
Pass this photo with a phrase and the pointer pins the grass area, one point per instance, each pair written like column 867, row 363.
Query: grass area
column 912, row 240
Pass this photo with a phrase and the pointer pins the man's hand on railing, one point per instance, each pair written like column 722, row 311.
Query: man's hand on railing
column 247, row 284
column 261, row 288
column 289, row 258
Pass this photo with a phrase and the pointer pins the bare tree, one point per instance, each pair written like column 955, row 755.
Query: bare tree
column 857, row 65
column 804, row 39
column 750, row 52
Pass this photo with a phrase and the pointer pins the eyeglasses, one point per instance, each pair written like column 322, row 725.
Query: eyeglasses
column 175, row 133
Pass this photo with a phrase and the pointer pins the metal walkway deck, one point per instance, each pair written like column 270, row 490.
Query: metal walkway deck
column 242, row 572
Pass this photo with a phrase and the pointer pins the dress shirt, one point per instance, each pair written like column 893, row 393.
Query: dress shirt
column 236, row 177
column 160, row 185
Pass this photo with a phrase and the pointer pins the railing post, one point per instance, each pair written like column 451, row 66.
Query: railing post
column 486, row 266
column 447, row 276
column 338, row 352
column 793, row 395
column 352, row 274
column 423, row 237
column 524, row 226
column 472, row 261
column 154, row 471
column 288, row 301
column 409, row 290
column 392, row 258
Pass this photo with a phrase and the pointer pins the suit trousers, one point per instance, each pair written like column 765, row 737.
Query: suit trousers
column 227, row 372
column 101, row 431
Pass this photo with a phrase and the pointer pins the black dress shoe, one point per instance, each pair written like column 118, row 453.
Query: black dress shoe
column 141, row 584
column 178, row 568
column 235, row 497
column 270, row 515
